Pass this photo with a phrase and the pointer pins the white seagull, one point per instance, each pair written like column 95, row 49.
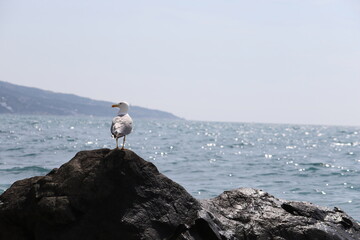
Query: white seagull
column 122, row 123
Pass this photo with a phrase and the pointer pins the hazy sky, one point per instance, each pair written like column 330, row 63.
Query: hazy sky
column 276, row 61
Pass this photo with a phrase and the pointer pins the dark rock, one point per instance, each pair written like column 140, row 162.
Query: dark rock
column 248, row 213
column 114, row 194
column 99, row 194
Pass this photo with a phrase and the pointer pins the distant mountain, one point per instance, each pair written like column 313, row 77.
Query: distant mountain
column 26, row 100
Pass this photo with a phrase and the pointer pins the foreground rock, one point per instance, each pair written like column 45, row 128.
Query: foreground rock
column 113, row 194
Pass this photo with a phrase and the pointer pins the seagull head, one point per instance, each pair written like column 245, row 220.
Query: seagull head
column 124, row 107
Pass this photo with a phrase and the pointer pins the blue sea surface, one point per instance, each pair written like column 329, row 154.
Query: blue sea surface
column 318, row 164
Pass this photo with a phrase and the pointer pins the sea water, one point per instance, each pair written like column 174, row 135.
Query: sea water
column 318, row 164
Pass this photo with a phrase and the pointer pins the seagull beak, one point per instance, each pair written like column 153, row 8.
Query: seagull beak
column 115, row 105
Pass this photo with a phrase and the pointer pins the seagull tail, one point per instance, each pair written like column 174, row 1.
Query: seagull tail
column 117, row 134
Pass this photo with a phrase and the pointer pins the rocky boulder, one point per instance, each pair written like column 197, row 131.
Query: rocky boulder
column 114, row 194
column 248, row 213
column 100, row 194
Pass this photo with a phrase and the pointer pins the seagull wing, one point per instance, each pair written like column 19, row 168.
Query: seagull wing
column 121, row 126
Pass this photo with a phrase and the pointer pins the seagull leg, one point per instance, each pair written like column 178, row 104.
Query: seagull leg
column 123, row 145
column 117, row 144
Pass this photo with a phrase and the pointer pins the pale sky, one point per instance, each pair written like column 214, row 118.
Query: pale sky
column 268, row 61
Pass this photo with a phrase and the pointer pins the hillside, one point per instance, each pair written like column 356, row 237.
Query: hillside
column 15, row 99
